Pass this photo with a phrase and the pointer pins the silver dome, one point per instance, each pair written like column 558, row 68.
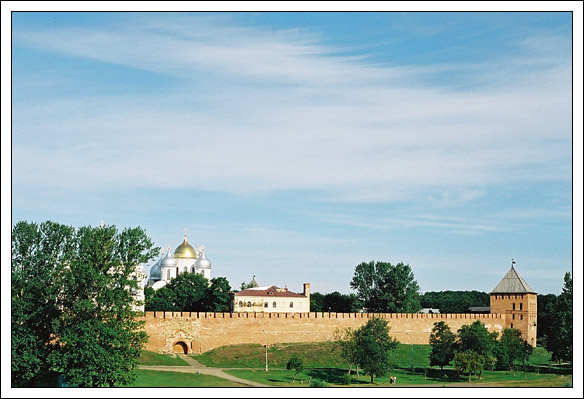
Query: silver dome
column 203, row 262
column 155, row 273
column 169, row 260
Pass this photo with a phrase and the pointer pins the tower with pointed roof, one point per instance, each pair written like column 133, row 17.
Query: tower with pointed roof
column 514, row 298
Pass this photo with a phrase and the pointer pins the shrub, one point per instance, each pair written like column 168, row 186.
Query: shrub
column 317, row 383
column 346, row 380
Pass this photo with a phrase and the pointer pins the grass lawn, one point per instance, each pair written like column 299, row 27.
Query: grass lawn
column 322, row 360
column 151, row 378
column 158, row 359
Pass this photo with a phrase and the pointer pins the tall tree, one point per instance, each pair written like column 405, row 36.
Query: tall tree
column 442, row 343
column 218, row 295
column 72, row 302
column 374, row 346
column 39, row 253
column 383, row 287
column 99, row 336
column 559, row 341
column 511, row 348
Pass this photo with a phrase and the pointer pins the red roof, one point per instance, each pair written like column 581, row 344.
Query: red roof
column 269, row 291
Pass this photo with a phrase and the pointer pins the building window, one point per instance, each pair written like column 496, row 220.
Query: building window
column 511, row 325
column 521, row 317
column 168, row 274
column 520, row 306
column 240, row 303
column 186, row 270
column 513, row 306
column 273, row 304
column 249, row 304
column 291, row 304
column 513, row 316
column 265, row 305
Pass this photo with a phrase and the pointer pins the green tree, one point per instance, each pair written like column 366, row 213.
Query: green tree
column 472, row 362
column 454, row 301
column 99, row 335
column 383, row 287
column 39, row 253
column 218, row 295
column 316, row 299
column 477, row 338
column 511, row 348
column 189, row 291
column 545, row 316
column 442, row 343
column 341, row 303
column 374, row 346
column 346, row 340
column 559, row 341
column 295, row 363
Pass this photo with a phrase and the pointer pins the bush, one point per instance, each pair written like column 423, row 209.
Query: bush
column 346, row 380
column 318, row 383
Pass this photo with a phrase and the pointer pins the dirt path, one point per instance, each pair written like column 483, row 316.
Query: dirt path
column 195, row 367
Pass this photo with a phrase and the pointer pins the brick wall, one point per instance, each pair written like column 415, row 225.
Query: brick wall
column 204, row 331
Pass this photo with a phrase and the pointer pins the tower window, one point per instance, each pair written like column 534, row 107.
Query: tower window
column 513, row 316
column 168, row 274
column 511, row 325
column 520, row 306
column 513, row 306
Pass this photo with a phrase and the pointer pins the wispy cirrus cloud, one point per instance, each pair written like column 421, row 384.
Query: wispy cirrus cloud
column 257, row 110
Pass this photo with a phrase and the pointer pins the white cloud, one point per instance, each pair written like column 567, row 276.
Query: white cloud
column 284, row 112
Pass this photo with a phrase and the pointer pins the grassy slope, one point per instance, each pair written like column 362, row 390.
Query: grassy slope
column 315, row 355
column 158, row 359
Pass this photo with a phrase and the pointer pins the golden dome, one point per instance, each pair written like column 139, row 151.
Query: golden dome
column 185, row 250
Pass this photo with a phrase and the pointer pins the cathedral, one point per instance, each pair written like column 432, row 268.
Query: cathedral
column 185, row 259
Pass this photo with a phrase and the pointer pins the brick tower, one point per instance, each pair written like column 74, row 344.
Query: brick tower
column 514, row 298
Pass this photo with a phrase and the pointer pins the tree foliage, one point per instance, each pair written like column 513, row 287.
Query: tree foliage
column 190, row 292
column 88, row 330
column 442, row 343
column 511, row 348
column 454, row 301
column 347, row 343
column 295, row 363
column 385, row 288
column 477, row 338
column 374, row 346
column 559, row 341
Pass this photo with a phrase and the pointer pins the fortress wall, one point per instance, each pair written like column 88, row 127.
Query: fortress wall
column 202, row 331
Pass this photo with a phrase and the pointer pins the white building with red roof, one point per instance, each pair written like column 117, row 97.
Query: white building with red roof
column 272, row 299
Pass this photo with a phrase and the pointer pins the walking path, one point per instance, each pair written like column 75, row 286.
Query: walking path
column 198, row 368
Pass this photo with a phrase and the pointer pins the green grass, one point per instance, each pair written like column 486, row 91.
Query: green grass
column 322, row 360
column 314, row 355
column 151, row 378
column 319, row 354
column 158, row 359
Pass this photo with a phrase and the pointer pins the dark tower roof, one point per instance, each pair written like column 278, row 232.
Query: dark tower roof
column 512, row 283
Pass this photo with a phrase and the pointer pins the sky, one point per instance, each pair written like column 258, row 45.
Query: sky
column 295, row 146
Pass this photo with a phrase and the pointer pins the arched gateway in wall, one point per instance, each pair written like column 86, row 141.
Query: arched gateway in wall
column 180, row 347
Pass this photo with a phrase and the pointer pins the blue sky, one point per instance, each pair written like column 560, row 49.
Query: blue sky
column 296, row 145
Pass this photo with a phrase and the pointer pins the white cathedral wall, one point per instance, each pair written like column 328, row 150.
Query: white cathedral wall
column 282, row 304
